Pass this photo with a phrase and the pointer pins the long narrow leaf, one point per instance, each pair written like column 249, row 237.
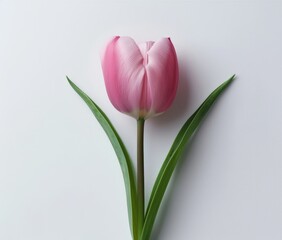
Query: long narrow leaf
column 122, row 154
column 173, row 157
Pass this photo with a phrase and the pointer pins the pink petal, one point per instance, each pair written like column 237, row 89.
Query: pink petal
column 162, row 73
column 124, row 73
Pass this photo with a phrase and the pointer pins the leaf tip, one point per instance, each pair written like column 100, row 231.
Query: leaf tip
column 231, row 79
column 70, row 82
column 68, row 79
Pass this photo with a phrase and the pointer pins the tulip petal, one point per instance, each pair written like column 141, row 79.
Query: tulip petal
column 162, row 72
column 124, row 73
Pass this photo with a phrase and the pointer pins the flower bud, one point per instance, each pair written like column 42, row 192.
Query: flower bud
column 141, row 80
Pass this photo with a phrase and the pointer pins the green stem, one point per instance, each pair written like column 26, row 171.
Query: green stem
column 140, row 174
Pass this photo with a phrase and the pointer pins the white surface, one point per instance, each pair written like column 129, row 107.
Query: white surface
column 59, row 177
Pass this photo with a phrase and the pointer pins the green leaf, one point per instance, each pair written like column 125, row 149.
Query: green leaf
column 122, row 154
column 173, row 156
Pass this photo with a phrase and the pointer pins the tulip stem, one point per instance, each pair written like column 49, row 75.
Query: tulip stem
column 140, row 174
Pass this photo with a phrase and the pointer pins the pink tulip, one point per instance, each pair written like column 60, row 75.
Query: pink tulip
column 141, row 80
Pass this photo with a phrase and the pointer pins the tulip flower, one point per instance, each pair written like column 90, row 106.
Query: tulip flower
column 141, row 79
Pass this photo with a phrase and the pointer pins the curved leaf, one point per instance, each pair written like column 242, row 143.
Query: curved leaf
column 122, row 154
column 173, row 156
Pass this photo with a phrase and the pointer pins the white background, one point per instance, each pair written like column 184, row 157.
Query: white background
column 59, row 176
